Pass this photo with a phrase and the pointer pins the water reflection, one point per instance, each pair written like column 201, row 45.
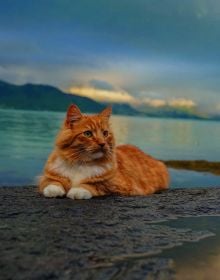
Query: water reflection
column 209, row 268
column 121, row 129
column 168, row 138
column 27, row 137
column 199, row 260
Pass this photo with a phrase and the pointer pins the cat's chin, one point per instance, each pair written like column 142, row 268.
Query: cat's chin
column 97, row 155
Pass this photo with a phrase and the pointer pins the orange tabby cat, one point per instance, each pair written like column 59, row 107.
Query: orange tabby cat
column 86, row 163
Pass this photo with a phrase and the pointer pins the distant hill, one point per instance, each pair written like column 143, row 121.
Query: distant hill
column 124, row 109
column 169, row 112
column 49, row 98
column 42, row 97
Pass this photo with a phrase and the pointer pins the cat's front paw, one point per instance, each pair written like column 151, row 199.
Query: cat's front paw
column 79, row 193
column 53, row 191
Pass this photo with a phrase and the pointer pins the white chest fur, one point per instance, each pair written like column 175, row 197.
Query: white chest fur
column 77, row 173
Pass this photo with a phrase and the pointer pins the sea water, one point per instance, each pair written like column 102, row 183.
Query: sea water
column 27, row 137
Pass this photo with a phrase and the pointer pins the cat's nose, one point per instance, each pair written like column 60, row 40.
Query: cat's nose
column 102, row 145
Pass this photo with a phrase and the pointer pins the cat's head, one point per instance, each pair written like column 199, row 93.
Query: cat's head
column 86, row 138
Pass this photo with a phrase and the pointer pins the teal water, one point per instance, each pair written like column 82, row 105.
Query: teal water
column 196, row 260
column 27, row 137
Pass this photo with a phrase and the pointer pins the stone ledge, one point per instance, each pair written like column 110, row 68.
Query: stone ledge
column 102, row 238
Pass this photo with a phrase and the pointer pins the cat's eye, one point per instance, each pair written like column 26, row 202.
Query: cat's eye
column 105, row 133
column 87, row 133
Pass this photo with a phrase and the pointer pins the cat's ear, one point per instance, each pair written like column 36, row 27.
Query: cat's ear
column 106, row 113
column 73, row 115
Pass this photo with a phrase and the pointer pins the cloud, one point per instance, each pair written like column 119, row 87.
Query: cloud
column 216, row 109
column 101, row 85
column 173, row 102
column 154, row 102
column 105, row 92
column 141, row 48
column 103, row 95
column 181, row 102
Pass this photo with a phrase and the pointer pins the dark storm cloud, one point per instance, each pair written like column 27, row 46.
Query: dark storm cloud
column 188, row 28
column 142, row 46
column 101, row 85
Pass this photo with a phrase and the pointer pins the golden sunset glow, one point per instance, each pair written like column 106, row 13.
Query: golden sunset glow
column 121, row 96
column 174, row 102
column 154, row 102
column 182, row 102
column 117, row 96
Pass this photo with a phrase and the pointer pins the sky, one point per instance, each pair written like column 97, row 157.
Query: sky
column 153, row 52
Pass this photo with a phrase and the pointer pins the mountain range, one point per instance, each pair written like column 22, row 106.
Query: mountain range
column 49, row 98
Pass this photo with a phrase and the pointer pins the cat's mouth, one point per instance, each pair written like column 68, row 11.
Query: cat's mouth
column 97, row 155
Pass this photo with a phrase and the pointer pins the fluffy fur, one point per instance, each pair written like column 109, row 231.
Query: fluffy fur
column 86, row 163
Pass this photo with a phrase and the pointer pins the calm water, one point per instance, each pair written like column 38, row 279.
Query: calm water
column 196, row 260
column 26, row 139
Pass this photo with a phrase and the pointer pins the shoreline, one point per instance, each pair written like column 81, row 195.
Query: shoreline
column 60, row 238
column 194, row 165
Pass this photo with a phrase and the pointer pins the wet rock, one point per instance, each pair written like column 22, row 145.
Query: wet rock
column 102, row 238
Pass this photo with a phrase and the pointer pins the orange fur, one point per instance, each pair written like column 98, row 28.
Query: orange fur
column 85, row 156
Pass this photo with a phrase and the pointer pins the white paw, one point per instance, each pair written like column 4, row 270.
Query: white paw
column 79, row 193
column 53, row 191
